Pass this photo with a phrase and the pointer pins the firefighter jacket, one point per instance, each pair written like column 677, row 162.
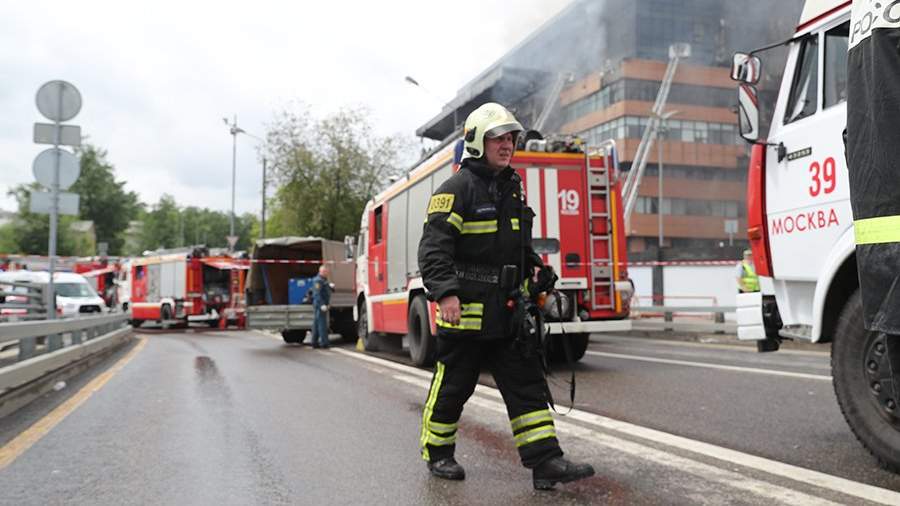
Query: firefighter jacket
column 476, row 223
column 873, row 147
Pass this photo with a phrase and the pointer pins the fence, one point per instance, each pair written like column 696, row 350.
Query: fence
column 42, row 347
column 22, row 301
column 709, row 317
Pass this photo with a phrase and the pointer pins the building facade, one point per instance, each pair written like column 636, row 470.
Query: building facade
column 600, row 63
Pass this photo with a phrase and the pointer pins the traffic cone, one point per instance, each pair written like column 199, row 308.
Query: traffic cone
column 359, row 345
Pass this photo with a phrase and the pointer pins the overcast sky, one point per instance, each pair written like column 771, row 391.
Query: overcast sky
column 156, row 78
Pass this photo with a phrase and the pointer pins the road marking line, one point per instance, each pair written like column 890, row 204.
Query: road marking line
column 772, row 467
column 702, row 470
column 611, row 339
column 703, row 365
column 21, row 443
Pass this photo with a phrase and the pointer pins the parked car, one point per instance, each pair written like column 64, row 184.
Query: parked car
column 74, row 294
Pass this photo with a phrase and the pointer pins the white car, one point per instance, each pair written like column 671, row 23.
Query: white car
column 74, row 294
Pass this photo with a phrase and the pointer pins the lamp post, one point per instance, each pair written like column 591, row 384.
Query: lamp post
column 660, row 134
column 234, row 130
column 428, row 92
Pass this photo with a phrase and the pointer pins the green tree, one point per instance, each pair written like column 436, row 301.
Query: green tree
column 29, row 233
column 161, row 225
column 325, row 170
column 103, row 199
column 165, row 225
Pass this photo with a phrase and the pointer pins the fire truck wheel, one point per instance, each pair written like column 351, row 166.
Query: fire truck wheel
column 422, row 345
column 165, row 314
column 342, row 322
column 369, row 339
column 861, row 380
column 578, row 345
column 293, row 336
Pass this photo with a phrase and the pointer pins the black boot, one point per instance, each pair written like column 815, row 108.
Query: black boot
column 559, row 470
column 447, row 469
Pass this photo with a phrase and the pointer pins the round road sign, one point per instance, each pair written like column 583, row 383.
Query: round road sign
column 43, row 166
column 58, row 101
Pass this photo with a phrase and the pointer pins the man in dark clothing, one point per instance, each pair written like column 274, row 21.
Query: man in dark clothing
column 321, row 298
column 873, row 148
column 478, row 222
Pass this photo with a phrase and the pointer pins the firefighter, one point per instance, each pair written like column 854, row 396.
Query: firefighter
column 873, row 148
column 475, row 224
column 321, row 298
column 747, row 279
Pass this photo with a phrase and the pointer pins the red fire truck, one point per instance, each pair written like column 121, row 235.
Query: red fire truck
column 101, row 273
column 185, row 286
column 578, row 230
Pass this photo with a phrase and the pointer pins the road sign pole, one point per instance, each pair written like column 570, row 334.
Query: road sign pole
column 54, row 213
column 57, row 101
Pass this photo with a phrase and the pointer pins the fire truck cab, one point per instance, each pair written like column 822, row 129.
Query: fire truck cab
column 578, row 230
column 800, row 222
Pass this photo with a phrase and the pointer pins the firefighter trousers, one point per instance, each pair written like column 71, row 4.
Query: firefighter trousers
column 521, row 383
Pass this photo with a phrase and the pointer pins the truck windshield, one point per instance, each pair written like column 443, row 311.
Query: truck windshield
column 803, row 98
column 74, row 290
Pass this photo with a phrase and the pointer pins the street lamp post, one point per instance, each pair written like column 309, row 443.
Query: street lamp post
column 428, row 92
column 661, row 133
column 234, row 130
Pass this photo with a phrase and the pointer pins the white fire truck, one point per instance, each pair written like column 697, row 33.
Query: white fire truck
column 800, row 222
column 578, row 230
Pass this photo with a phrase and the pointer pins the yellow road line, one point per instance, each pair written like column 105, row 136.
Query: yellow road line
column 21, row 443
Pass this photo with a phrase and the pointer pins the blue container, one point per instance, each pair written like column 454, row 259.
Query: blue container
column 297, row 289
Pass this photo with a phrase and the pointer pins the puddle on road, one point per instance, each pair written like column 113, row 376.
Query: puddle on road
column 210, row 380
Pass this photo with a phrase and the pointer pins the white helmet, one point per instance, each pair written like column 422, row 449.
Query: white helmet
column 489, row 120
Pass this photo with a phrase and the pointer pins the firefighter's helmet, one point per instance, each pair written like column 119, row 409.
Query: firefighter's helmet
column 489, row 120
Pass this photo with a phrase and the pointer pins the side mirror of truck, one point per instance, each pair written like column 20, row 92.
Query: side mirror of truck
column 748, row 112
column 746, row 68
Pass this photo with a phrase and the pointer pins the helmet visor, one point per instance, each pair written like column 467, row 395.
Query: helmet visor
column 504, row 129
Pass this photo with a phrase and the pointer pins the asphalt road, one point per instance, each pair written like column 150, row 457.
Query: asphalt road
column 241, row 418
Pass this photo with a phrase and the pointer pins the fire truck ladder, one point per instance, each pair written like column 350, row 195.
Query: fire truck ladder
column 599, row 189
column 633, row 181
column 552, row 99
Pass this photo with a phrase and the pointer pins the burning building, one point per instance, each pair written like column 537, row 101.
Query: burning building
column 594, row 71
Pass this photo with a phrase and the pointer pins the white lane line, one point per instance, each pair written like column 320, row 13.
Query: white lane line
column 773, row 467
column 751, row 370
column 621, row 340
column 705, row 472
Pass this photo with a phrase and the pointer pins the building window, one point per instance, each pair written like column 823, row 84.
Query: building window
column 632, row 127
column 690, row 207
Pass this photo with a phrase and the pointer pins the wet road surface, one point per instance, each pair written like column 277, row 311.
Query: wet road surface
column 242, row 418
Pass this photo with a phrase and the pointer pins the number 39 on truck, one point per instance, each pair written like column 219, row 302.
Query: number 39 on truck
column 800, row 223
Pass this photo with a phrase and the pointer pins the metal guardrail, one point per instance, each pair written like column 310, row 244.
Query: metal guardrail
column 21, row 301
column 49, row 345
column 718, row 325
column 60, row 333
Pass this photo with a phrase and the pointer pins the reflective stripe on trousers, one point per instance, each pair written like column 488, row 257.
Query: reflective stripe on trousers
column 532, row 427
column 435, row 433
